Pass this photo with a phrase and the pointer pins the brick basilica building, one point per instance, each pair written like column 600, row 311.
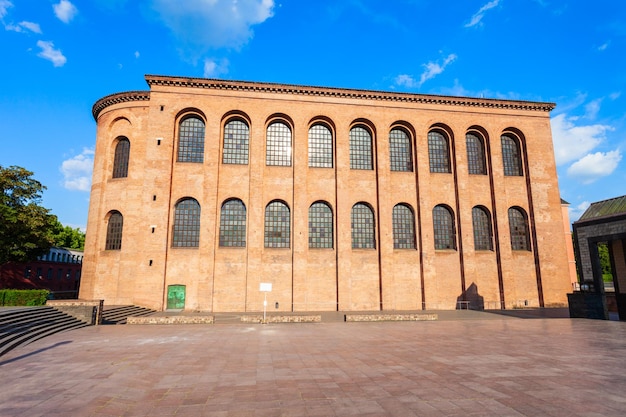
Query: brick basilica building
column 341, row 199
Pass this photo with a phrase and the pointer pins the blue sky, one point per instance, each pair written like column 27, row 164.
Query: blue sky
column 60, row 56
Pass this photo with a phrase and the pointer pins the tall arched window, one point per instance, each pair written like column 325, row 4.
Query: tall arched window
column 278, row 145
column 438, row 152
column 360, row 148
column 518, row 225
column 400, row 151
column 475, row 154
column 236, row 138
column 362, row 222
column 120, row 162
column 191, row 140
column 483, row 236
column 277, row 225
column 403, row 227
column 233, row 224
column 320, row 226
column 443, row 226
column 511, row 156
column 114, row 231
column 186, row 229
column 320, row 147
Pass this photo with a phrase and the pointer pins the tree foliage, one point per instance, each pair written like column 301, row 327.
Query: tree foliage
column 67, row 237
column 25, row 226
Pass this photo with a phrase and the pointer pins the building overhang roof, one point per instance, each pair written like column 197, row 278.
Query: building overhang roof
column 331, row 92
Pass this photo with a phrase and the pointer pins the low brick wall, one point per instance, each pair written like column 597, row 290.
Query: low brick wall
column 89, row 311
column 282, row 319
column 171, row 320
column 391, row 317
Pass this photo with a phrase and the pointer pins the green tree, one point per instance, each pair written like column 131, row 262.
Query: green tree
column 66, row 237
column 25, row 226
column 605, row 261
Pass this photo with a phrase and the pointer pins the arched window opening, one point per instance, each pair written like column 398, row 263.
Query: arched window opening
column 320, row 147
column 403, row 227
column 277, row 225
column 120, row 161
column 233, row 224
column 511, row 157
column 186, row 229
column 114, row 231
column 475, row 154
column 236, row 139
column 362, row 222
column 444, row 229
column 400, row 151
column 191, row 140
column 320, row 226
column 278, row 145
column 438, row 152
column 360, row 148
column 483, row 236
column 518, row 225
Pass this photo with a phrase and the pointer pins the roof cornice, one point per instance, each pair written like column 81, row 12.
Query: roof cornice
column 116, row 98
column 246, row 86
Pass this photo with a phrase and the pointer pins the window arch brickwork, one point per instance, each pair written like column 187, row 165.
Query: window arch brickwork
column 277, row 225
column 236, row 142
column 518, row 225
column 320, row 147
column 320, row 226
column 191, row 140
column 511, row 156
column 444, row 229
column 363, row 228
column 115, row 226
column 120, row 161
column 360, row 148
column 233, row 224
column 400, row 151
column 403, row 227
column 483, row 236
column 475, row 154
column 438, row 152
column 278, row 145
column 186, row 229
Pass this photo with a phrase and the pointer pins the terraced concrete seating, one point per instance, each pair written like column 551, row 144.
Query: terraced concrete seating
column 20, row 326
column 119, row 314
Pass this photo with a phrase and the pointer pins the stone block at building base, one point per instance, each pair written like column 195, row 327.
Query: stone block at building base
column 587, row 306
column 391, row 317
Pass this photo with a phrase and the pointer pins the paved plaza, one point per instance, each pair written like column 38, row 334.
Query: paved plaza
column 468, row 364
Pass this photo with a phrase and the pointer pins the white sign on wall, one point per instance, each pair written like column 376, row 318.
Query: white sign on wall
column 265, row 287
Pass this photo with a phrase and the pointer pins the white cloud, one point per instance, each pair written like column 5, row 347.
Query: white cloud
column 136, row 54
column 4, row 5
column 604, row 46
column 406, row 80
column 594, row 166
column 53, row 55
column 576, row 212
column 478, row 16
column 571, row 142
column 433, row 69
column 77, row 171
column 214, row 69
column 592, row 109
column 33, row 27
column 615, row 95
column 204, row 24
column 65, row 11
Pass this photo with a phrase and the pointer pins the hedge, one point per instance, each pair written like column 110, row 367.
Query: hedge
column 23, row 297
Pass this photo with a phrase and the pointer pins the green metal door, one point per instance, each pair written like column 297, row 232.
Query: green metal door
column 175, row 297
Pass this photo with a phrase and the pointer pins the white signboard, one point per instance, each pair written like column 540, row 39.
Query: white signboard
column 265, row 287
